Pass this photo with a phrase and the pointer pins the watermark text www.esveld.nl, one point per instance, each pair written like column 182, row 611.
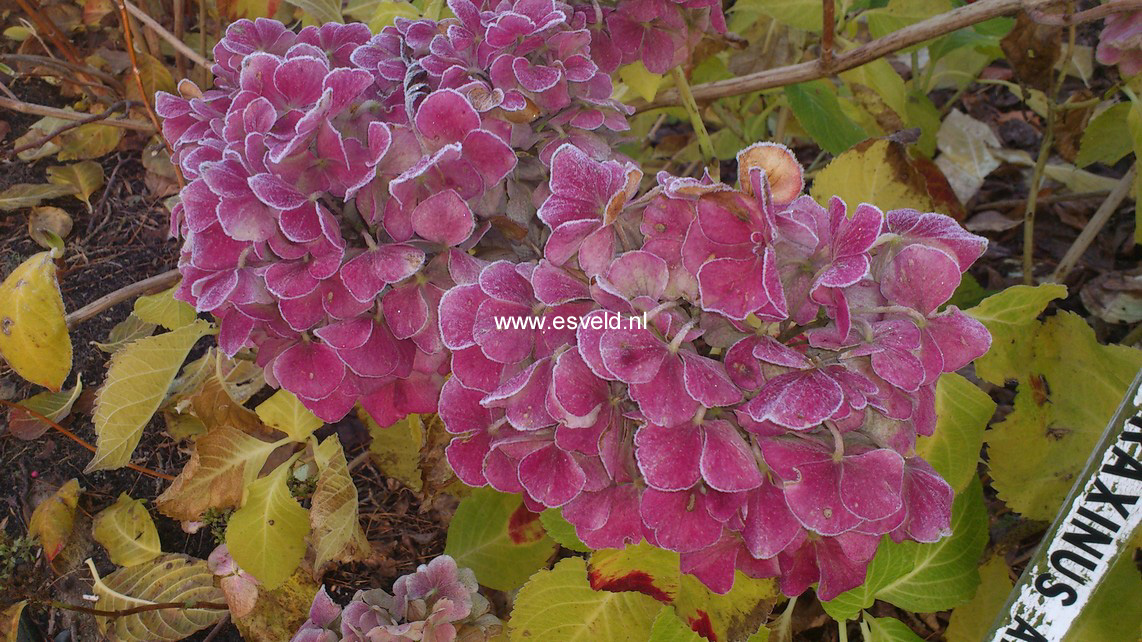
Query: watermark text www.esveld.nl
column 605, row 321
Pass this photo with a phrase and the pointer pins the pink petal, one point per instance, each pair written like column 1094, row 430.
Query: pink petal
column 443, row 218
column 309, row 370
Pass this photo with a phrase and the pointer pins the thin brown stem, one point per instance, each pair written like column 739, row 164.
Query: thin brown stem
column 65, row 114
column 924, row 30
column 145, row 608
column 1095, row 225
column 179, row 9
column 107, row 301
column 179, row 46
column 828, row 28
column 64, row 64
column 122, row 105
column 49, row 28
column 79, row 440
column 1101, row 11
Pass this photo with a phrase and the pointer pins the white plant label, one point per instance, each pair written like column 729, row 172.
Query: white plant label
column 1099, row 517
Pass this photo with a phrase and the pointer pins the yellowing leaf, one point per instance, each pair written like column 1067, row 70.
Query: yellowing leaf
column 154, row 76
column 560, row 605
column 284, row 412
column 1107, row 617
column 962, row 413
column 497, row 537
column 321, row 11
column 10, row 622
column 224, row 461
column 170, row 578
column 643, row 82
column 396, row 449
column 54, row 518
column 137, row 382
column 883, row 79
column 84, row 179
column 668, row 627
column 48, row 226
column 52, row 405
column 210, row 392
column 902, row 13
column 799, row 14
column 33, row 331
column 875, row 171
column 1106, row 138
column 1069, row 387
column 971, row 622
column 334, row 525
column 92, row 140
column 279, row 613
column 379, row 14
column 734, row 616
column 162, row 309
column 266, row 536
column 654, row 571
column 1009, row 316
column 126, row 530
column 28, row 195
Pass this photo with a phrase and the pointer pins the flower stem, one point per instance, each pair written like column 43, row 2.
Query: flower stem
column 705, row 145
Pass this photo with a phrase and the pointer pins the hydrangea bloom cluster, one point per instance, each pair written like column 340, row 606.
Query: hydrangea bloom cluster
column 1120, row 42
column 764, row 418
column 438, row 602
column 337, row 180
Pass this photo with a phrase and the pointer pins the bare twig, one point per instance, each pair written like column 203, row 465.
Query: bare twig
column 63, row 64
column 174, row 41
column 145, row 608
column 217, row 630
column 934, row 27
column 50, row 29
column 179, row 9
column 121, row 105
column 828, row 27
column 1101, row 11
column 107, row 301
column 1095, row 225
column 44, row 110
column 79, row 440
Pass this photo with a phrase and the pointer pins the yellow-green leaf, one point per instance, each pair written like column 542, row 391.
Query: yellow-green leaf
column 162, row 309
column 962, row 413
column 137, row 382
column 28, row 195
column 560, row 530
column 1009, row 316
column 1069, row 387
column 396, row 449
column 84, row 179
column 52, row 405
column 668, row 627
column 971, row 622
column 1106, row 138
column 33, row 331
column 223, row 462
column 154, row 76
column 322, row 11
column 379, row 14
column 286, row 413
column 497, row 537
column 734, row 616
column 279, row 613
column 126, row 530
column 560, row 604
column 336, row 533
column 1107, row 618
column 53, row 519
column 876, row 171
column 170, row 578
column 643, row 82
column 653, row 569
column 902, row 13
column 266, row 536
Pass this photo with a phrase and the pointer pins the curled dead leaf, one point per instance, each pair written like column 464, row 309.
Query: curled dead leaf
column 46, row 221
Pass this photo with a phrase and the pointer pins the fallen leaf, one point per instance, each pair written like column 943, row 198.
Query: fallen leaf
column 29, row 195
column 127, row 531
column 1114, row 297
column 85, row 178
column 53, row 519
column 53, row 405
column 46, row 222
column 33, row 332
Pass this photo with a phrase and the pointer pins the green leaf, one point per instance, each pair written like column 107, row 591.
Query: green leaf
column 335, row 526
column 962, row 414
column 223, row 462
column 124, row 333
column 969, row 293
column 162, row 309
column 643, row 82
column 970, row 622
column 322, row 11
column 53, row 405
column 379, row 14
column 816, row 107
column 1069, row 387
column 668, row 628
column 33, row 330
column 879, row 76
column 1134, row 120
column 137, row 382
column 924, row 577
column 1106, row 138
column 562, row 531
column 266, row 536
column 1008, row 316
column 84, row 179
column 559, row 604
column 126, row 530
column 1106, row 617
column 28, row 195
column 889, row 629
column 799, row 14
column 170, row 578
column 396, row 449
column 497, row 537
column 285, row 412
column 902, row 13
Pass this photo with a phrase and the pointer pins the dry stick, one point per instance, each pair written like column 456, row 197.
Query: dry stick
column 1101, row 11
column 179, row 46
column 828, row 27
column 130, row 43
column 934, row 27
column 150, row 284
column 162, row 606
column 79, row 440
column 44, row 110
column 121, row 105
column 63, row 64
column 1095, row 225
column 179, row 31
column 45, row 25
